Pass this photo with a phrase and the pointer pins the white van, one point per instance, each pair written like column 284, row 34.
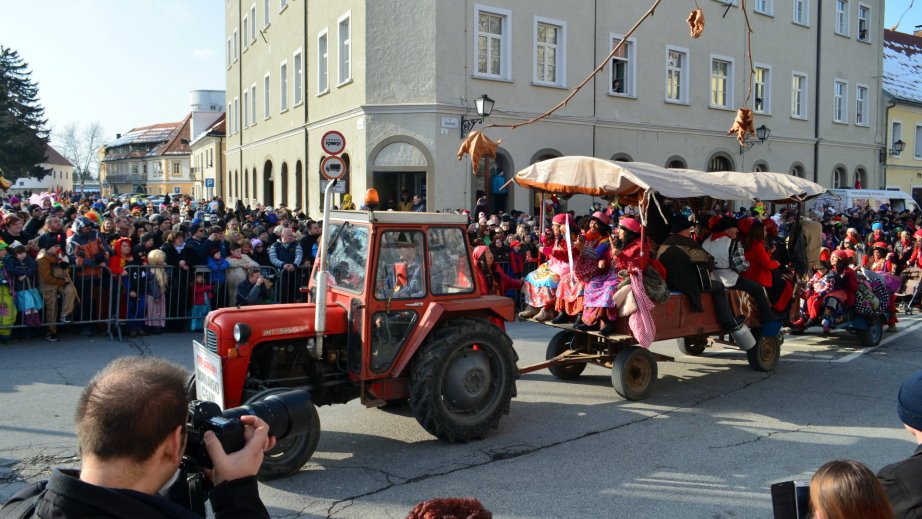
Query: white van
column 842, row 199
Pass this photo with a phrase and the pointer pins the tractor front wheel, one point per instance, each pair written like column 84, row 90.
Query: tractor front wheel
column 463, row 379
column 292, row 452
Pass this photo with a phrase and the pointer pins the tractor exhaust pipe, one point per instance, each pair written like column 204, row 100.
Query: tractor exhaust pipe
column 320, row 312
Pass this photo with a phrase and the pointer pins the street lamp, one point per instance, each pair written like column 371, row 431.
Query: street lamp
column 897, row 148
column 484, row 108
column 762, row 134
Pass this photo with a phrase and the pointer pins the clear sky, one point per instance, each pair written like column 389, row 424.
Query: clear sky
column 124, row 63
column 128, row 63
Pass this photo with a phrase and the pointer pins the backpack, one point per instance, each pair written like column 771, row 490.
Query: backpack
column 22, row 505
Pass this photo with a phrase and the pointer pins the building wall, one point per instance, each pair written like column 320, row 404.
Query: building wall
column 905, row 170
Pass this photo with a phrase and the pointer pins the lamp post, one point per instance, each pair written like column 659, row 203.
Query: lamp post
column 762, row 134
column 484, row 108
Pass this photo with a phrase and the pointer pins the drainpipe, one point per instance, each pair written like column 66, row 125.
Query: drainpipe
column 886, row 141
column 816, row 102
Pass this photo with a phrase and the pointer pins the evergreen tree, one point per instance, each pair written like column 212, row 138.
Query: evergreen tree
column 23, row 131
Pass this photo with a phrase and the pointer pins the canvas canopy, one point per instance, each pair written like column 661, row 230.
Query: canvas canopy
column 629, row 181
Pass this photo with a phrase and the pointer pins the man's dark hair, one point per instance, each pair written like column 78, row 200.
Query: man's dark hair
column 130, row 408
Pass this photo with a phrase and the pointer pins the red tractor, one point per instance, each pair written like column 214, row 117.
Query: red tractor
column 394, row 314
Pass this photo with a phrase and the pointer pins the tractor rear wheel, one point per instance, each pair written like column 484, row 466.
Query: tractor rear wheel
column 291, row 453
column 463, row 379
column 558, row 344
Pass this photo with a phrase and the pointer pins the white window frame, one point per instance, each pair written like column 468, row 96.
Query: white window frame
column 804, row 92
column 283, row 86
column 805, row 21
column 253, row 104
column 683, row 72
column 841, row 21
column 235, row 45
column 731, row 73
column 267, row 12
column 230, row 53
column 283, row 4
column 323, row 62
column 893, row 125
column 344, row 51
column 267, row 96
column 767, row 98
column 838, row 106
column 917, row 146
column 230, row 118
column 560, row 63
column 297, row 75
column 769, row 8
column 630, row 89
column 253, row 23
column 505, row 56
column 246, row 104
column 236, row 115
column 867, row 23
column 246, row 29
column 866, row 120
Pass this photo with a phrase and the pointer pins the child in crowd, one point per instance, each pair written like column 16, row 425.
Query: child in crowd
column 158, row 284
column 8, row 311
column 54, row 281
column 218, row 267
column 21, row 269
column 201, row 302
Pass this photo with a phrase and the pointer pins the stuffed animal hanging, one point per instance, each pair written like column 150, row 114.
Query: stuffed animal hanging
column 743, row 125
column 696, row 22
column 478, row 145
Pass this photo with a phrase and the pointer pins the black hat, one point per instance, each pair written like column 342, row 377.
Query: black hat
column 34, row 207
column 148, row 236
column 726, row 222
column 48, row 239
column 679, row 223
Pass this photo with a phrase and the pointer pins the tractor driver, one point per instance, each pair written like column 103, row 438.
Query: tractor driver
column 400, row 275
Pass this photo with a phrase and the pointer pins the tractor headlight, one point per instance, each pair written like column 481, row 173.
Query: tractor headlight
column 241, row 333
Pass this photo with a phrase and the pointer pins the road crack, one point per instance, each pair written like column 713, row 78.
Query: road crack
column 760, row 437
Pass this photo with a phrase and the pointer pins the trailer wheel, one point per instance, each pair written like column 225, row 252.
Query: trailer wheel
column 693, row 346
column 765, row 354
column 558, row 344
column 463, row 380
column 871, row 335
column 290, row 454
column 634, row 373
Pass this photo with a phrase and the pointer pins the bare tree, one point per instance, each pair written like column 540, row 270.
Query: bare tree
column 81, row 148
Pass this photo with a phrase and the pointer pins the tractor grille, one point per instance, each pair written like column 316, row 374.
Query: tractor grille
column 211, row 340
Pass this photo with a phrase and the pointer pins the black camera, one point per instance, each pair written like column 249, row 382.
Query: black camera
column 288, row 414
column 791, row 500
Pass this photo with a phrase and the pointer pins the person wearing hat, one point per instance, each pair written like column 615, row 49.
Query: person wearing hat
column 687, row 263
column 883, row 263
column 901, row 479
column 844, row 285
column 876, row 235
column 730, row 260
column 540, row 286
column 53, row 281
column 36, row 220
column 590, row 252
column 88, row 254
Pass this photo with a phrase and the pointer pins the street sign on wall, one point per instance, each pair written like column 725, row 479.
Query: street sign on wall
column 333, row 142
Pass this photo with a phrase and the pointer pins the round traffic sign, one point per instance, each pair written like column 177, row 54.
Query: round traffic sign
column 333, row 142
column 333, row 168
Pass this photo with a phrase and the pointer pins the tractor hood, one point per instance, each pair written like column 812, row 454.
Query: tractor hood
column 272, row 322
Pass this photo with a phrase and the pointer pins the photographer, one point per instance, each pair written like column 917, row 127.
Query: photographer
column 253, row 290
column 130, row 452
column 900, row 480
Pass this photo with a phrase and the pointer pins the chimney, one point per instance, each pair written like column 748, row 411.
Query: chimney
column 118, row 136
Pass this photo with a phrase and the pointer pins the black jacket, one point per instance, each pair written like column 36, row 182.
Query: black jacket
column 682, row 256
column 66, row 497
column 901, row 484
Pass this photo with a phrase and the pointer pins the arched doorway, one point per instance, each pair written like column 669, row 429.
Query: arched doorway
column 676, row 162
column 542, row 154
column 839, row 177
column 797, row 170
column 720, row 161
column 861, row 178
column 299, row 187
column 283, row 199
column 500, row 172
column 400, row 164
column 622, row 157
column 268, row 198
column 759, row 166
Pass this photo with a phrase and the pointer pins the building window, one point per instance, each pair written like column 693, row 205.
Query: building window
column 230, row 119
column 283, row 86
column 345, row 49
column 861, row 178
column 799, row 96
column 801, row 12
column 134, row 168
column 797, row 171
column 764, row 6
column 246, row 112
column 267, row 88
column 282, row 5
column 323, row 64
column 864, row 23
column 762, row 90
column 896, row 134
column 917, row 151
column 253, row 104
column 234, row 37
column 176, row 169
column 838, row 178
column 236, row 115
column 550, row 37
column 491, row 33
column 297, row 78
column 861, row 105
column 721, row 82
column 266, row 11
column 230, row 52
column 676, row 75
column 622, row 67
column 842, row 17
column 246, row 32
column 253, row 23
column 840, row 101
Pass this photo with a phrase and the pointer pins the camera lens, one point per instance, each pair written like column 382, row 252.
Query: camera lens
column 286, row 413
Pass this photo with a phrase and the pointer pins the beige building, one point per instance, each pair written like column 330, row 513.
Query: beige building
column 153, row 160
column 61, row 177
column 208, row 159
column 903, row 98
column 397, row 78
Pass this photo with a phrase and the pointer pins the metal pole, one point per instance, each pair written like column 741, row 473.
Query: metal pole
column 320, row 310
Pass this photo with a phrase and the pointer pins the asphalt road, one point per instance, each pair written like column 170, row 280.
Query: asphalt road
column 708, row 443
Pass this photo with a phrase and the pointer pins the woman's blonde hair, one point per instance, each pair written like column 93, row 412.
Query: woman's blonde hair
column 846, row 489
column 157, row 258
